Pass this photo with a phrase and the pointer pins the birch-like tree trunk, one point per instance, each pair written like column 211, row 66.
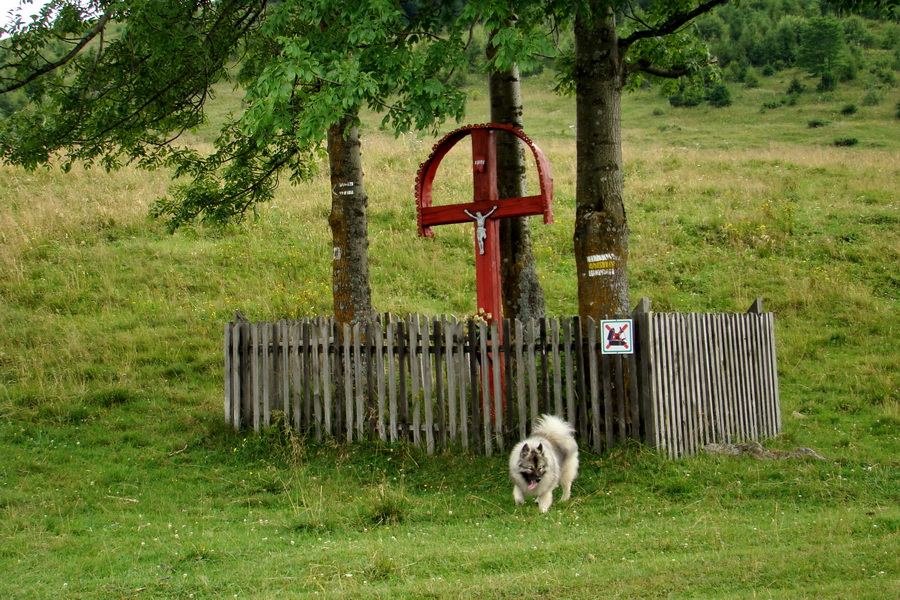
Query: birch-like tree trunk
column 349, row 226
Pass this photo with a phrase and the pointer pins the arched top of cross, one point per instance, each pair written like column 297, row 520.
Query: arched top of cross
column 484, row 172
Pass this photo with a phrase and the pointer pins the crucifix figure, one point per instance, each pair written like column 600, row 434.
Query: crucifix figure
column 480, row 229
column 487, row 208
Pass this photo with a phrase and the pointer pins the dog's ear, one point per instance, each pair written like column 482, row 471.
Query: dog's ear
column 540, row 449
column 525, row 451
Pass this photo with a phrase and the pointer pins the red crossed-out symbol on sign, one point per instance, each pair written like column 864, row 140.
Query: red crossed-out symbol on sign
column 615, row 338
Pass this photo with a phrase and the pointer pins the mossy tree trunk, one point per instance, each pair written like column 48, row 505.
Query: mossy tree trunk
column 601, row 229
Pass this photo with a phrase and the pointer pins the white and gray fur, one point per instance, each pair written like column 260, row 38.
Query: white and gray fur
column 544, row 461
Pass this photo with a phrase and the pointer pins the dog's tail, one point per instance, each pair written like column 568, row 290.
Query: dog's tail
column 553, row 428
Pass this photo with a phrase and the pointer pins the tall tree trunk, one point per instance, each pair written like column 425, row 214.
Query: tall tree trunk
column 349, row 227
column 601, row 229
column 523, row 296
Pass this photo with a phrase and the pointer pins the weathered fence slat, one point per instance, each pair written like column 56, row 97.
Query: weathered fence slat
column 496, row 361
column 634, row 395
column 403, row 364
column 270, row 372
column 545, row 376
column 229, row 372
column 238, row 373
column 358, row 386
column 448, row 329
column 246, row 377
column 771, row 371
column 531, row 332
column 472, row 382
column 509, row 424
column 379, row 371
column 668, row 390
column 732, row 372
column 427, row 386
column 557, row 372
column 304, row 362
column 414, row 378
column 392, row 380
column 595, row 385
column 689, row 383
column 521, row 400
column 438, row 341
column 254, row 372
column 462, row 367
column 298, row 378
column 316, row 376
column 694, row 379
column 641, row 317
column 284, row 368
column 720, row 387
column 569, row 371
column 368, row 365
column 485, row 389
column 348, row 383
column 619, row 367
column 581, row 421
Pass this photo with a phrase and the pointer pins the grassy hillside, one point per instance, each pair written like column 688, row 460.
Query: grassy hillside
column 118, row 479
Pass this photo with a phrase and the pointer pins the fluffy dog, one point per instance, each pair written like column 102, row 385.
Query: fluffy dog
column 547, row 459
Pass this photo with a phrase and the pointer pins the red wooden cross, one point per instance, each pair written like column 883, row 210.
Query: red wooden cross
column 487, row 208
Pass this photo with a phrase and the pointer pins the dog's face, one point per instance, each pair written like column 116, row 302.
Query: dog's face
column 532, row 465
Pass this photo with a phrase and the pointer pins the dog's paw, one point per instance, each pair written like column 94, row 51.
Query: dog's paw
column 544, row 502
column 518, row 496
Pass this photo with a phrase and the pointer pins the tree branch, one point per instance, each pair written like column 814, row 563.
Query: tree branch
column 187, row 71
column 646, row 66
column 673, row 24
column 634, row 16
column 50, row 66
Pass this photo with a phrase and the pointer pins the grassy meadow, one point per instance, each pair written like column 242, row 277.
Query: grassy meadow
column 118, row 478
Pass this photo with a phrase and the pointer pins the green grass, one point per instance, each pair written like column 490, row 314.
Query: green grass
column 119, row 480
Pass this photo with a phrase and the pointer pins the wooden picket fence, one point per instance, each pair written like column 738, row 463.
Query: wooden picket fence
column 447, row 383
column 708, row 378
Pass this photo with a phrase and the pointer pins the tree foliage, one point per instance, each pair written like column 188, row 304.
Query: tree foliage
column 776, row 33
column 116, row 82
column 821, row 46
column 308, row 65
column 132, row 76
